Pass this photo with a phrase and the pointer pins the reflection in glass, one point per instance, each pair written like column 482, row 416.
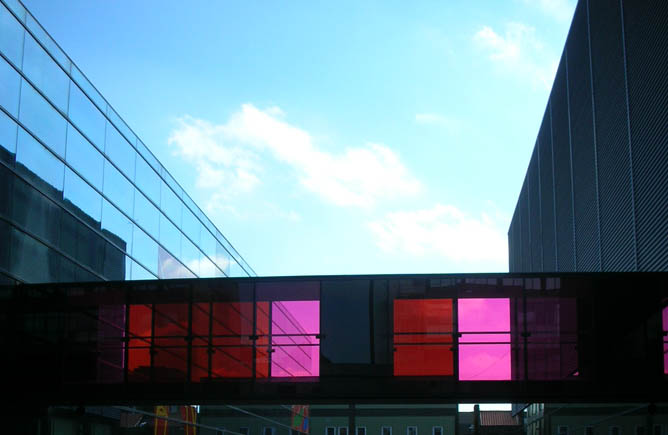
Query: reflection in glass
column 11, row 36
column 294, row 326
column 170, row 204
column 116, row 265
column 170, row 267
column 208, row 243
column 9, row 91
column 190, row 255
column 206, row 268
column 121, row 125
column 88, row 88
column 116, row 227
column 170, row 236
column 147, row 155
column 147, row 180
column 42, row 119
column 117, row 188
column 40, row 165
column 34, row 212
column 86, row 117
column 83, row 157
column 120, row 152
column 146, row 214
column 8, row 130
column 46, row 40
column 45, row 74
column 191, row 226
column 222, row 259
column 81, row 198
column 139, row 272
column 31, row 261
column 145, row 250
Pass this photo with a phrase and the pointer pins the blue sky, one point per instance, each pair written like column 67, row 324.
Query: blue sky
column 332, row 137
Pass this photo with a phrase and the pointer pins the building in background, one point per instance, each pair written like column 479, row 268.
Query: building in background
column 81, row 197
column 595, row 196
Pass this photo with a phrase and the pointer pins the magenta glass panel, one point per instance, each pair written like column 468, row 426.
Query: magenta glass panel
column 486, row 321
column 111, row 349
column 293, row 328
column 665, row 339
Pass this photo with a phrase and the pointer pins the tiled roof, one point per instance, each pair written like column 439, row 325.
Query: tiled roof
column 497, row 418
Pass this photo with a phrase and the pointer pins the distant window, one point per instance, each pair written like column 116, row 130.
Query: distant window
column 244, row 431
column 589, row 430
column 268, row 431
column 330, row 430
column 437, row 430
column 614, row 430
column 361, row 430
column 562, row 430
column 411, row 430
column 640, row 430
column 343, row 430
column 386, row 430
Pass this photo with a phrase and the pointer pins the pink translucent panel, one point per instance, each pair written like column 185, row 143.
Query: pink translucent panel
column 484, row 362
column 484, row 315
column 478, row 320
column 664, row 316
column 296, row 351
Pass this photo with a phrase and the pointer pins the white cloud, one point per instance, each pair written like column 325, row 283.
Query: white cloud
column 560, row 10
column 437, row 119
column 519, row 52
column 229, row 159
column 446, row 231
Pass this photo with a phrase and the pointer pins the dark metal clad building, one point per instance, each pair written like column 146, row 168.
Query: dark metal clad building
column 595, row 196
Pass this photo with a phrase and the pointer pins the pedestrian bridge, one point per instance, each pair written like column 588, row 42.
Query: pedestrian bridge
column 325, row 339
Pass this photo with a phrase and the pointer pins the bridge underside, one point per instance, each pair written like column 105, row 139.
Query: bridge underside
column 362, row 339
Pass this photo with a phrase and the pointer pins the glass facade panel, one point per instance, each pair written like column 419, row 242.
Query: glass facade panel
column 118, row 189
column 121, row 125
column 11, row 85
column 83, row 157
column 88, row 88
column 139, row 273
column 82, row 199
column 42, row 119
column 170, row 204
column 208, row 244
column 82, row 243
column 191, row 226
column 190, row 255
column 147, row 180
column 39, row 164
column 8, row 130
column 46, row 40
column 32, row 261
column 120, row 152
column 86, row 117
column 11, row 36
column 222, row 259
column 145, row 250
column 207, row 268
column 116, row 227
column 147, row 155
column 35, row 213
column 146, row 215
column 170, row 267
column 170, row 236
column 45, row 74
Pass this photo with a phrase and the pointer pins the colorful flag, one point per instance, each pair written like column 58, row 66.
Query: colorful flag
column 160, row 426
column 300, row 418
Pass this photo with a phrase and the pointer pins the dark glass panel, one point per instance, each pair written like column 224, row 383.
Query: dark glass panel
column 5, row 234
column 10, row 89
column 115, row 268
column 42, row 119
column 170, row 352
column 11, row 36
column 35, row 212
column 231, row 329
column 7, row 178
column 116, row 226
column 45, row 74
column 8, row 131
column 82, row 199
column 345, row 349
column 82, row 243
column 31, row 261
column 120, row 152
column 39, row 165
column 110, row 348
column 139, row 345
column 423, row 337
column 118, row 189
column 83, row 157
column 86, row 117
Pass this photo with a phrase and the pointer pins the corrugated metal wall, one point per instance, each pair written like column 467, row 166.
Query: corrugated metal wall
column 596, row 192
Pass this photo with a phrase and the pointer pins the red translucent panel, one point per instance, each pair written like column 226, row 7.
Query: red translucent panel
column 262, row 362
column 201, row 319
column 232, row 318
column 232, row 362
column 421, row 340
column 171, row 320
column 199, row 369
column 486, row 321
column 139, row 359
column 170, row 363
column 140, row 320
column 664, row 316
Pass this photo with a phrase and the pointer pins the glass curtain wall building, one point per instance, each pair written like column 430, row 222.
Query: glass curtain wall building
column 81, row 197
column 595, row 196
